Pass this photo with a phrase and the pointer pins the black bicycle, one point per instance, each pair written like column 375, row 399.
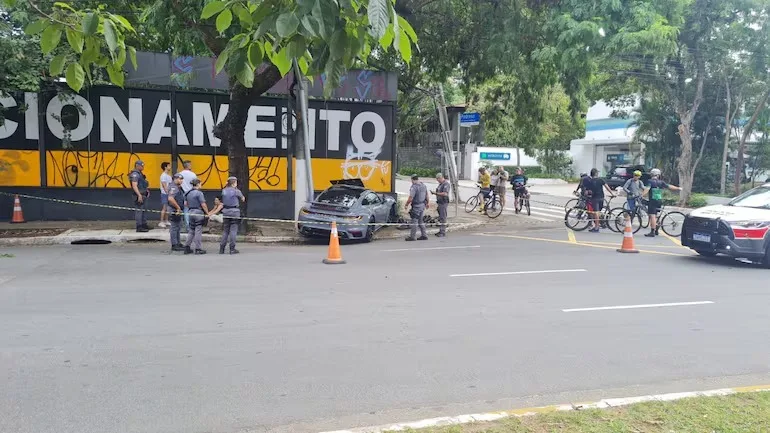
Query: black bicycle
column 493, row 207
column 580, row 218
column 522, row 200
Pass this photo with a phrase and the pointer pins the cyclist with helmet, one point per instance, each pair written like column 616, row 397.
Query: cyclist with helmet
column 655, row 191
column 519, row 183
column 581, row 187
column 634, row 189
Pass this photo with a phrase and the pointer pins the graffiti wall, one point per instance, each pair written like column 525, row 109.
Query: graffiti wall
column 92, row 140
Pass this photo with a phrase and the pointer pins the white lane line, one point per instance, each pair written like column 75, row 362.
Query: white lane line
column 534, row 212
column 512, row 210
column 431, row 249
column 492, row 274
column 629, row 307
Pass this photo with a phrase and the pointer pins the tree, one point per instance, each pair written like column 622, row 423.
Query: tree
column 254, row 41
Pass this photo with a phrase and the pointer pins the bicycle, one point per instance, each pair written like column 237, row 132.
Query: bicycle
column 492, row 205
column 522, row 201
column 670, row 221
column 579, row 218
column 639, row 217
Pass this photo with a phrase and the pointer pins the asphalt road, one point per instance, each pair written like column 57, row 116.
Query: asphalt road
column 131, row 339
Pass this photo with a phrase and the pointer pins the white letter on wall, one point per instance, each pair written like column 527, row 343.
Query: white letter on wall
column 85, row 118
column 253, row 126
column 9, row 127
column 334, row 117
column 111, row 115
column 357, row 132
column 204, row 119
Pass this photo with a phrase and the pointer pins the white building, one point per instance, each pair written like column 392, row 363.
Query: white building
column 609, row 141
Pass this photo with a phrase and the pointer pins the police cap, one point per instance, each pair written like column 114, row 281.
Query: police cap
column 178, row 176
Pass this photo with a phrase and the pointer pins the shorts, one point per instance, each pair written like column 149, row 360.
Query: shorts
column 164, row 199
column 519, row 191
column 596, row 204
column 500, row 189
column 654, row 206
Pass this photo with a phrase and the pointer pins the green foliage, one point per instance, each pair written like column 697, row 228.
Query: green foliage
column 419, row 171
column 697, row 200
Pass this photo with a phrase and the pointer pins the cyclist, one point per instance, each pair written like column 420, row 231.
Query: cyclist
column 596, row 185
column 655, row 191
column 519, row 184
column 634, row 189
column 485, row 180
column 581, row 188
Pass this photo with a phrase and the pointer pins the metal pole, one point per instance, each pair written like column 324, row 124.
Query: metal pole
column 303, row 106
column 458, row 156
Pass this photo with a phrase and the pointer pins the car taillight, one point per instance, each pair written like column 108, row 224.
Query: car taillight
column 750, row 229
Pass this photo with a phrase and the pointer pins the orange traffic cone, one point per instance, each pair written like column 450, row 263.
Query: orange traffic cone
column 18, row 216
column 335, row 256
column 628, row 239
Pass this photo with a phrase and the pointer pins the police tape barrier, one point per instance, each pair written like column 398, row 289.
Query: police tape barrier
column 324, row 224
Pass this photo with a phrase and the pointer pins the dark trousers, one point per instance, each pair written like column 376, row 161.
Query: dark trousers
column 229, row 232
column 442, row 214
column 139, row 212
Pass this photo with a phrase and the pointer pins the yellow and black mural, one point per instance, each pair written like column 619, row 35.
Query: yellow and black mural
column 90, row 141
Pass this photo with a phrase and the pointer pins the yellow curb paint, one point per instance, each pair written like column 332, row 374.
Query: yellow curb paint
column 532, row 410
column 673, row 239
column 557, row 241
column 571, row 236
column 755, row 388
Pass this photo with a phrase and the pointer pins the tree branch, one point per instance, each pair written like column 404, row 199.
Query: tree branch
column 214, row 43
column 702, row 146
column 40, row 11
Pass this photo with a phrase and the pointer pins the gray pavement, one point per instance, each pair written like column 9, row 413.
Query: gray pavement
column 131, row 339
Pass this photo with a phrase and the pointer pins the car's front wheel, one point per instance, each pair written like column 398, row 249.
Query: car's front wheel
column 370, row 231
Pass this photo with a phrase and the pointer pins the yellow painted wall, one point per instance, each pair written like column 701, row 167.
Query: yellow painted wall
column 19, row 167
column 84, row 169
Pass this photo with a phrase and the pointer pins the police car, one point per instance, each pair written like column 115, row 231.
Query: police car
column 739, row 229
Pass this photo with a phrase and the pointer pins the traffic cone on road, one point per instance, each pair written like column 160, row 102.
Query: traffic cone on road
column 335, row 256
column 18, row 216
column 628, row 239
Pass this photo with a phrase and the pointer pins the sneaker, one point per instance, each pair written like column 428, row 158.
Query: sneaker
column 200, row 252
column 650, row 235
column 234, row 251
column 422, row 238
column 188, row 250
column 142, row 230
column 440, row 235
column 410, row 239
column 221, row 250
column 177, row 248
column 594, row 230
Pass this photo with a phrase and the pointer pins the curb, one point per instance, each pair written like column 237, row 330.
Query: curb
column 519, row 413
column 71, row 236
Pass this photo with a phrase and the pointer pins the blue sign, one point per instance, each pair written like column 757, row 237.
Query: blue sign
column 470, row 119
column 495, row 156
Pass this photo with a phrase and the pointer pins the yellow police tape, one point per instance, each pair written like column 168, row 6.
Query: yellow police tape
column 274, row 220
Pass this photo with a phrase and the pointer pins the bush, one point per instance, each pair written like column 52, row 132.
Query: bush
column 419, row 171
column 697, row 200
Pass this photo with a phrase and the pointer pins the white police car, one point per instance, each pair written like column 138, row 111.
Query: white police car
column 739, row 229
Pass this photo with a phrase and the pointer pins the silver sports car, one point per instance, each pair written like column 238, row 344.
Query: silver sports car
column 358, row 211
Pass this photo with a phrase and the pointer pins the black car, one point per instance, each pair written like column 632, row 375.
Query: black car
column 620, row 174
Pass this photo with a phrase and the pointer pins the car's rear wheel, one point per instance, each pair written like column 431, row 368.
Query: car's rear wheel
column 370, row 231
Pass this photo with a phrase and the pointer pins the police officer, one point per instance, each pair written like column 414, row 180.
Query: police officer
column 196, row 202
column 231, row 213
column 418, row 199
column 140, row 189
column 442, row 200
column 176, row 212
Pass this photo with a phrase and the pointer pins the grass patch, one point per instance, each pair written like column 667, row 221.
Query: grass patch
column 749, row 412
column 6, row 256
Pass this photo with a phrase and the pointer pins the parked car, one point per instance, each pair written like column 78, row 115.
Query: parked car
column 620, row 174
column 738, row 229
column 358, row 211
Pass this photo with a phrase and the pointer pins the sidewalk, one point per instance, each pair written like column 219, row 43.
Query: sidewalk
column 68, row 232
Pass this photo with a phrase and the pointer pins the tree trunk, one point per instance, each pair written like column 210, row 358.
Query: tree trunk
column 726, row 149
column 232, row 129
column 685, row 166
column 745, row 136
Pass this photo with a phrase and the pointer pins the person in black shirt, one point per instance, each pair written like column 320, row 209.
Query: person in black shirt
column 596, row 185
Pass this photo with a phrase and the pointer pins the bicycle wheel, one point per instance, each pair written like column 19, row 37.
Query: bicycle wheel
column 471, row 204
column 495, row 208
column 644, row 217
column 517, row 205
column 571, row 204
column 577, row 219
column 619, row 216
column 672, row 223
column 526, row 204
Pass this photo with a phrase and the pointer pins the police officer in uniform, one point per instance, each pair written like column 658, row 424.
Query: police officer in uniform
column 140, row 189
column 442, row 200
column 231, row 213
column 418, row 199
column 176, row 212
column 196, row 202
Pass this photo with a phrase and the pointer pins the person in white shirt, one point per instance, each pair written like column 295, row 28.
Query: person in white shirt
column 165, row 181
column 187, row 177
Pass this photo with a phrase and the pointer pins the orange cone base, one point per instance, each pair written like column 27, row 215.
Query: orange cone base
column 334, row 261
column 620, row 250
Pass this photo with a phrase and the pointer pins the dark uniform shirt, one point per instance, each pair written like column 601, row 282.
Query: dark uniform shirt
column 141, row 181
column 443, row 187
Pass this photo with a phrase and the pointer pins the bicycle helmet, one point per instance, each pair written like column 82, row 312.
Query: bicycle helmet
column 638, row 173
column 655, row 172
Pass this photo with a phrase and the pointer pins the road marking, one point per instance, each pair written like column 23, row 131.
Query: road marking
column 646, row 246
column 571, row 236
column 673, row 239
column 530, row 411
column 631, row 307
column 558, row 241
column 491, row 274
column 430, row 249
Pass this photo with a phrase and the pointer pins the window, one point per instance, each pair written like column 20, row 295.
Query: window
column 339, row 197
column 371, row 199
column 757, row 198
